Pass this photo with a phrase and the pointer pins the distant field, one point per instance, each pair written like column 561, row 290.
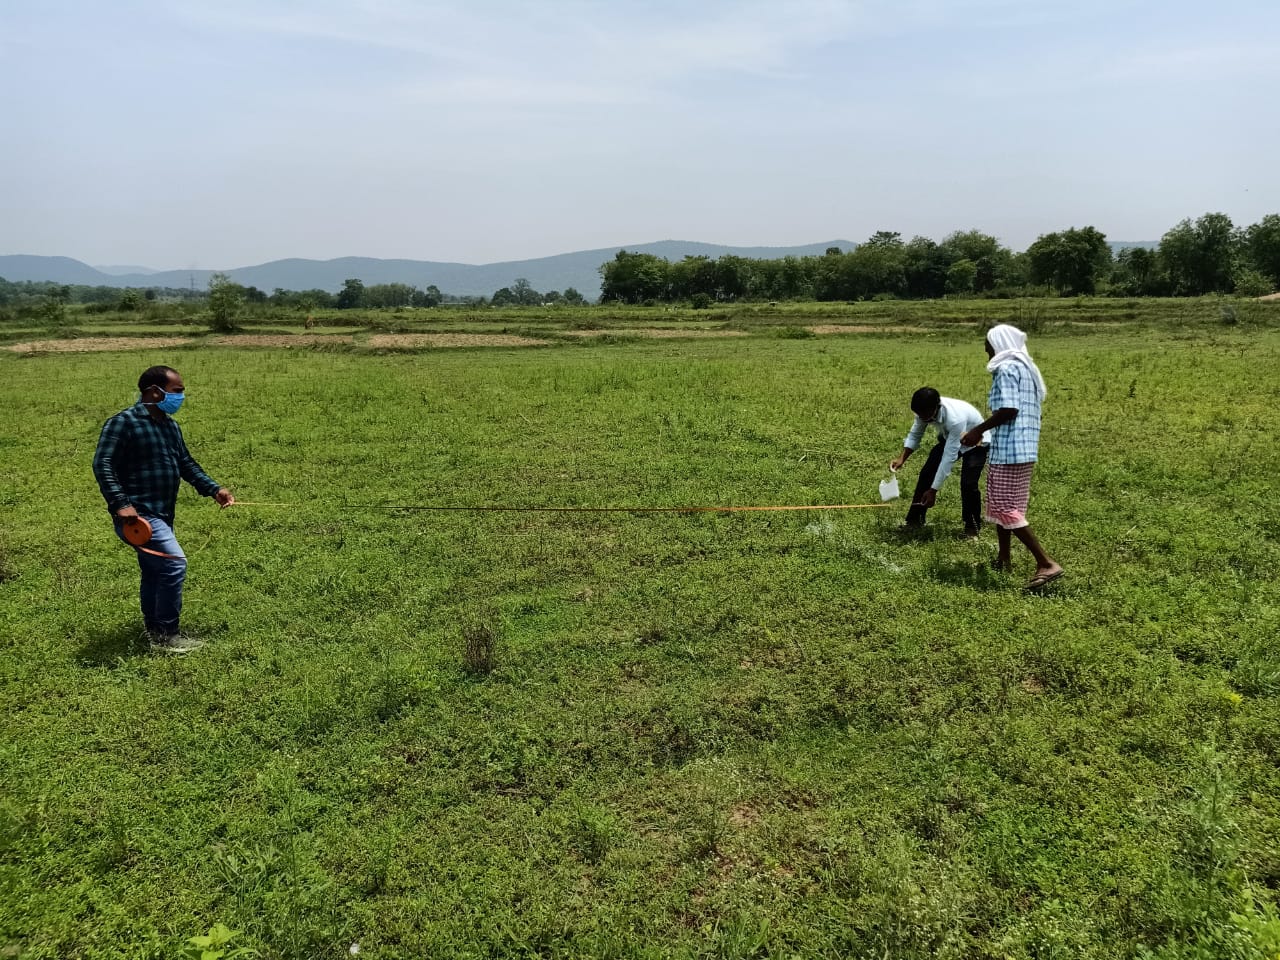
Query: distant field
column 748, row 735
column 570, row 324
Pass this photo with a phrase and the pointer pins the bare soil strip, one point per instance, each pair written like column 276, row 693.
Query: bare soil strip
column 97, row 344
column 411, row 340
column 654, row 332
column 278, row 340
column 860, row 328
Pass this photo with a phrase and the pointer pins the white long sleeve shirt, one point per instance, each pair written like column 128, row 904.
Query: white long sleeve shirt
column 955, row 418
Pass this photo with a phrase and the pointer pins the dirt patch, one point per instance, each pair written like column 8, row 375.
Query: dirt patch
column 278, row 340
column 655, row 332
column 859, row 328
column 1268, row 297
column 97, row 344
column 744, row 815
column 413, row 340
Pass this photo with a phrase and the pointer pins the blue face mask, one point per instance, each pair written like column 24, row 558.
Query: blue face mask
column 171, row 402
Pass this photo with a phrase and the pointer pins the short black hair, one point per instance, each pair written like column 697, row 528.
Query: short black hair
column 925, row 401
column 154, row 377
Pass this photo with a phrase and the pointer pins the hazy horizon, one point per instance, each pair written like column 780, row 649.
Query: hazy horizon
column 180, row 136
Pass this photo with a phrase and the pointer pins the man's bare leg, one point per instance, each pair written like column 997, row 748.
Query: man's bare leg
column 1046, row 567
column 1003, row 560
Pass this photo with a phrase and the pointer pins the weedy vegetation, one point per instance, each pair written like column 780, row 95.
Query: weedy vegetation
column 651, row 735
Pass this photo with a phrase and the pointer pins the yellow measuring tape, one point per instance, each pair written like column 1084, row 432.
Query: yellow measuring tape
column 510, row 509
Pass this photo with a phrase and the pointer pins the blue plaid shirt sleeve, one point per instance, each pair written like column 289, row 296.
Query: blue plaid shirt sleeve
column 1004, row 389
column 110, row 443
column 191, row 471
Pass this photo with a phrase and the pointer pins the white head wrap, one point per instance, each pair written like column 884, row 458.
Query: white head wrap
column 1010, row 345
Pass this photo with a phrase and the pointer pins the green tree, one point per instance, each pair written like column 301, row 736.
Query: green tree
column 691, row 276
column 884, row 238
column 733, row 277
column 831, row 276
column 1071, row 261
column 992, row 262
column 924, row 266
column 388, row 295
column 225, row 299
column 876, row 267
column 793, row 278
column 429, row 297
column 573, row 297
column 1262, row 243
column 634, row 278
column 310, row 299
column 970, row 245
column 961, row 276
column 524, row 293
column 351, row 295
column 53, row 311
column 1136, row 272
column 1201, row 257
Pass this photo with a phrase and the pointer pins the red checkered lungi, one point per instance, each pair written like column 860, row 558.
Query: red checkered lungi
column 1008, row 490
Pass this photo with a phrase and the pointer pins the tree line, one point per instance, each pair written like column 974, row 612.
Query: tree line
column 225, row 294
column 1208, row 255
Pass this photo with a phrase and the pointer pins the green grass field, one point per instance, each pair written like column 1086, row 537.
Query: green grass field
column 748, row 735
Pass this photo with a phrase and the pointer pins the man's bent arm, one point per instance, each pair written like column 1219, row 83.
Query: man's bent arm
column 999, row 418
column 104, row 465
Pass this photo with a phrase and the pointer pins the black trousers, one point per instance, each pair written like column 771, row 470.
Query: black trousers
column 971, row 465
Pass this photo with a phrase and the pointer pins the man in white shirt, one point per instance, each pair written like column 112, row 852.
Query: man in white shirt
column 952, row 419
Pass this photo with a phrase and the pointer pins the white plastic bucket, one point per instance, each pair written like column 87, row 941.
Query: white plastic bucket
column 889, row 488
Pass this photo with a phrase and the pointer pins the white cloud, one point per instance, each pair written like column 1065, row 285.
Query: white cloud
column 573, row 52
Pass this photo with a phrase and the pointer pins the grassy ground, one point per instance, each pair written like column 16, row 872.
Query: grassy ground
column 784, row 735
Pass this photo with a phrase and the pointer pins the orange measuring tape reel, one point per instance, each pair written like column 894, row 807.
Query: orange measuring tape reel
column 137, row 531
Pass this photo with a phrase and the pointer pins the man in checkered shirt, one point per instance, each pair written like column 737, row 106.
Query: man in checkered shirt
column 141, row 458
column 1017, row 393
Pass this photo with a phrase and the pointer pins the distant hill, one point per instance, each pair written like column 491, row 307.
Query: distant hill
column 1118, row 245
column 118, row 271
column 578, row 270
column 55, row 269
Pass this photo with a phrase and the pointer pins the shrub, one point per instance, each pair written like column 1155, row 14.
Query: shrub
column 1251, row 283
column 225, row 299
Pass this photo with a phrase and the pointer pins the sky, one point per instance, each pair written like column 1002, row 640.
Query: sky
column 224, row 134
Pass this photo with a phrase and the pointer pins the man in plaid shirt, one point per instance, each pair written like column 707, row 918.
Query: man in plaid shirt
column 1017, row 393
column 141, row 458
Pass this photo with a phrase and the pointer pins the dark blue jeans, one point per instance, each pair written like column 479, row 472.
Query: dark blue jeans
column 971, row 466
column 162, row 577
